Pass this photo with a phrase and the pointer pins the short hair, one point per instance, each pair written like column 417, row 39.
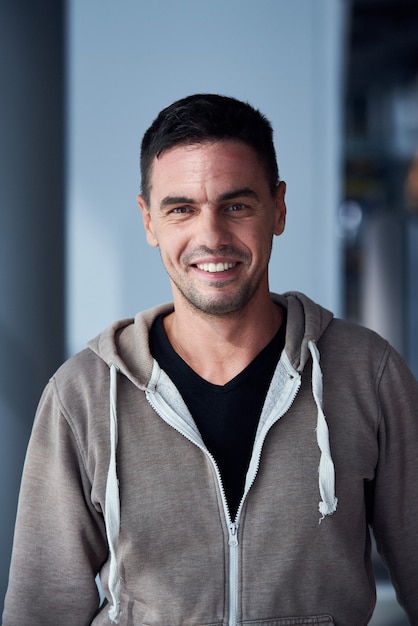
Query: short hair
column 203, row 118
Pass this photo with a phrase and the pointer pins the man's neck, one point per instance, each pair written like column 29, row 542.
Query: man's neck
column 219, row 348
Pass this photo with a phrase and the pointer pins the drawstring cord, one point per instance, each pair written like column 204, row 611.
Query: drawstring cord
column 328, row 504
column 112, row 503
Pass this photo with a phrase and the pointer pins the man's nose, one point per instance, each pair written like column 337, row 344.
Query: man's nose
column 212, row 230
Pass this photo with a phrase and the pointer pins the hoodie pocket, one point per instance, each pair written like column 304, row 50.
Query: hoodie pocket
column 295, row 621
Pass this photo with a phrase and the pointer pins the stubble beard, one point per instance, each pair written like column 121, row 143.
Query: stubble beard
column 217, row 306
column 220, row 305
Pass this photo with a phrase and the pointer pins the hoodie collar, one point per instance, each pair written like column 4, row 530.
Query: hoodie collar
column 306, row 321
column 122, row 343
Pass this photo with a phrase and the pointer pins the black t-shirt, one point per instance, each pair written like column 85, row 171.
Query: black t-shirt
column 226, row 415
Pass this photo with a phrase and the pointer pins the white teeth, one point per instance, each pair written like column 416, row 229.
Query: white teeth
column 215, row 267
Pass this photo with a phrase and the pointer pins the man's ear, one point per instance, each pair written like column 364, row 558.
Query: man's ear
column 147, row 220
column 280, row 216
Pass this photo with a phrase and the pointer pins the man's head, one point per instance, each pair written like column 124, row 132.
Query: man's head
column 203, row 118
column 212, row 202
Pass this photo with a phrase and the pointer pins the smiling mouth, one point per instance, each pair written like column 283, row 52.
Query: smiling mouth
column 215, row 267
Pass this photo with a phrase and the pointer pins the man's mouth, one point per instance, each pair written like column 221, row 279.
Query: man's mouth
column 215, row 267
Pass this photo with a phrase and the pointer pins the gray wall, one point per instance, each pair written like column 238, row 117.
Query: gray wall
column 126, row 62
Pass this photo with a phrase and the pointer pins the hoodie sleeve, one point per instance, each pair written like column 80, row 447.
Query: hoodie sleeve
column 59, row 542
column 395, row 510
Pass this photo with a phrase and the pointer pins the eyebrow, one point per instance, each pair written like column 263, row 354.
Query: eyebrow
column 170, row 200
column 244, row 192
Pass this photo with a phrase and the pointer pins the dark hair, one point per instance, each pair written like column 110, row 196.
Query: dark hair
column 205, row 117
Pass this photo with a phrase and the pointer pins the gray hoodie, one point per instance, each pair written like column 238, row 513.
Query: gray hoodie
column 118, row 483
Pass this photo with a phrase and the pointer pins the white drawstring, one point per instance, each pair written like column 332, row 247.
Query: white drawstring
column 112, row 503
column 328, row 504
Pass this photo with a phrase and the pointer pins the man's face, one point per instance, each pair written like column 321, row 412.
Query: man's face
column 213, row 216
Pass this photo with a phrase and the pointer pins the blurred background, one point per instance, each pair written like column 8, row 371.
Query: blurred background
column 81, row 80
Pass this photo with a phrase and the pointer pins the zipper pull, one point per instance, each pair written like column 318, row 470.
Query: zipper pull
column 233, row 538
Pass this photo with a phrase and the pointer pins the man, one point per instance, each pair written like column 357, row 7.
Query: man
column 217, row 492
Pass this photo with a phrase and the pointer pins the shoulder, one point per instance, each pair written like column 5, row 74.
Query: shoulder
column 354, row 346
column 81, row 387
column 81, row 371
column 349, row 333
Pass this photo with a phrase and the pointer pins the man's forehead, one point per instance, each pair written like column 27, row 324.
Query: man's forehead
column 187, row 159
column 204, row 171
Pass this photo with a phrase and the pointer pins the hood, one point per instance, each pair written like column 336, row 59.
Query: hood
column 122, row 347
column 306, row 321
column 118, row 344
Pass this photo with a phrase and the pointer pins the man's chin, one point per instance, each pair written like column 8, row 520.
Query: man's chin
column 219, row 306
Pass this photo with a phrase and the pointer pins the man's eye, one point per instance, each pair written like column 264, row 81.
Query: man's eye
column 236, row 207
column 181, row 209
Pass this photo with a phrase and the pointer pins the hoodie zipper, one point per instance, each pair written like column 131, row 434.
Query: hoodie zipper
column 233, row 573
column 171, row 418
